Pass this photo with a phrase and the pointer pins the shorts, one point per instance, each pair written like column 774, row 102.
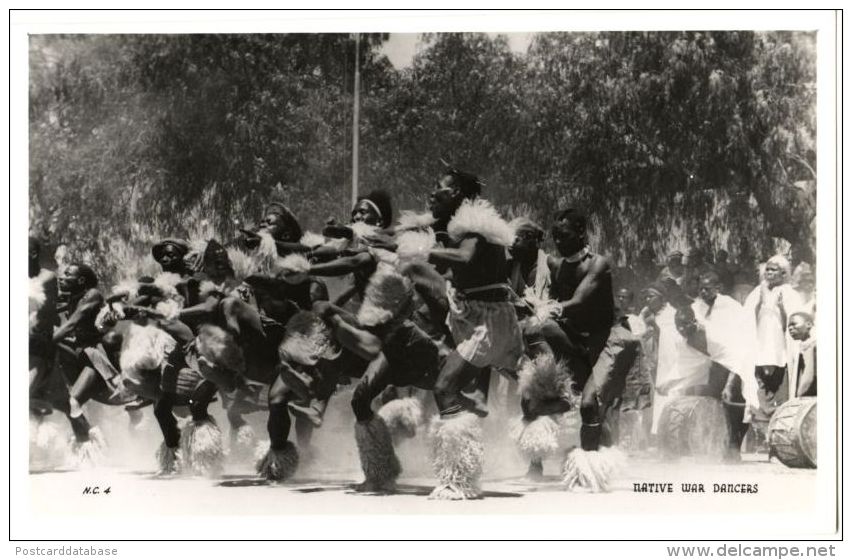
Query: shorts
column 486, row 333
column 609, row 374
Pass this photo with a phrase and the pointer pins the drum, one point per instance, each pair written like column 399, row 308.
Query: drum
column 792, row 433
column 694, row 426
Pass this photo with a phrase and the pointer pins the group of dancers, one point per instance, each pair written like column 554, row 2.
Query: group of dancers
column 437, row 302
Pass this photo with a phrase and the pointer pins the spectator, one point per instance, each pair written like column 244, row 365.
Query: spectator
column 803, row 381
column 625, row 311
column 768, row 309
column 694, row 267
column 674, row 269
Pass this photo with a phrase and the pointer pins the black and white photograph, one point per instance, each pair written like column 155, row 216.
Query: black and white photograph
column 326, row 265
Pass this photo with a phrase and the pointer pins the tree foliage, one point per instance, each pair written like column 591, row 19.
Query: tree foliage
column 666, row 138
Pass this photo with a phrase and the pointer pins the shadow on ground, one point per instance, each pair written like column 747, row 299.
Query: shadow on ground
column 313, row 486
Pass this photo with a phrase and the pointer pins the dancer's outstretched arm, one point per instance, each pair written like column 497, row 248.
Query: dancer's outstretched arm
column 343, row 265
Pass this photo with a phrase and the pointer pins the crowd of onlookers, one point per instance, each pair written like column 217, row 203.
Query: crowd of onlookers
column 739, row 330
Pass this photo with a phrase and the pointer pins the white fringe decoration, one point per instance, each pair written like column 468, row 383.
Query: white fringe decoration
column 168, row 460
column 278, row 464
column 457, row 457
column 545, row 378
column 545, row 308
column 409, row 219
column 241, row 262
column 202, row 448
column 378, row 460
column 592, row 471
column 267, row 247
column 92, row 453
column 536, row 439
column 265, row 259
column 480, row 217
column 402, row 416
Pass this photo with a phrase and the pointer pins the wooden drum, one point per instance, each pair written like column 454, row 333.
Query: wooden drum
column 694, row 426
column 792, row 433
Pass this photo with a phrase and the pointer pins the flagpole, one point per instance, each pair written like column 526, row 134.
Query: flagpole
column 355, row 116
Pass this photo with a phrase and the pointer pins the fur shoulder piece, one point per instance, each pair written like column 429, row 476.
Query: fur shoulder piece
column 312, row 240
column 480, row 217
column 167, row 282
column 414, row 220
column 293, row 263
column 362, row 230
column 415, row 244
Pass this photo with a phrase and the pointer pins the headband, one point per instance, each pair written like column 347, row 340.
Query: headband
column 374, row 207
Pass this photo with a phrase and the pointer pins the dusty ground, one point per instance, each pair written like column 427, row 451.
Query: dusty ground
column 322, row 484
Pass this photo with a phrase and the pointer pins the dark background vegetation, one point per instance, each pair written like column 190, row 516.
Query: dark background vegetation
column 669, row 139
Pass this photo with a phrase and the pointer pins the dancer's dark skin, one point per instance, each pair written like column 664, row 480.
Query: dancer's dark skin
column 473, row 262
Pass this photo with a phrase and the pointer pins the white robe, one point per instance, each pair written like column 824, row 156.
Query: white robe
column 767, row 311
column 729, row 341
column 679, row 365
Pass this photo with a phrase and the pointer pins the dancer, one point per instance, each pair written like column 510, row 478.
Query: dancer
column 401, row 355
column 300, row 376
column 599, row 351
column 79, row 303
column 482, row 322
column 281, row 225
column 43, row 318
